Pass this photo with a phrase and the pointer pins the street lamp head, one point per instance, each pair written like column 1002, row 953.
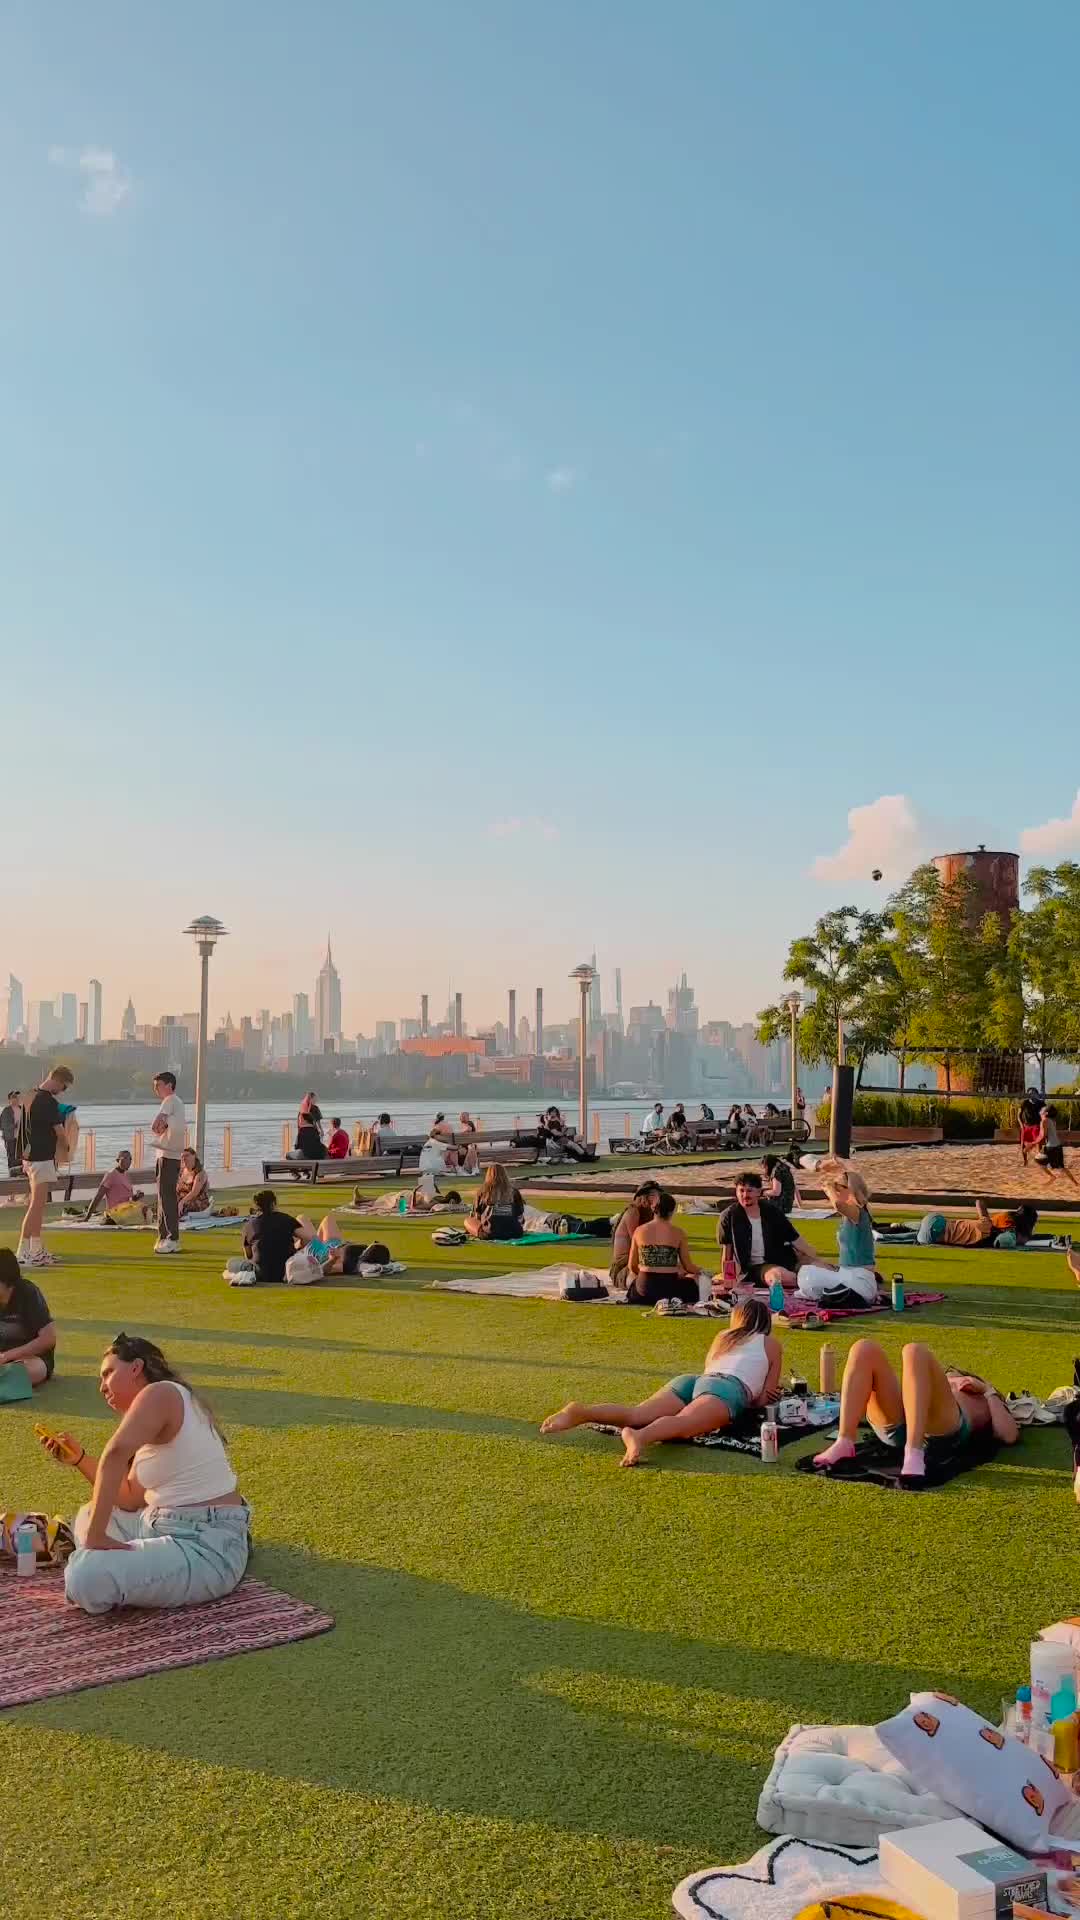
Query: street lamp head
column 584, row 975
column 793, row 1002
column 206, row 930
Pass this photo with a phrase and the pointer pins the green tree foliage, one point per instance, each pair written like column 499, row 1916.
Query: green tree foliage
column 1035, row 982
column 837, row 963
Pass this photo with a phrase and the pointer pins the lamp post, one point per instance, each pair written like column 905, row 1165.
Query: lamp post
column 793, row 1003
column 206, row 932
column 584, row 975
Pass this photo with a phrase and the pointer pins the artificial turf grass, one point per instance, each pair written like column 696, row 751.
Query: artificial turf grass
column 554, row 1687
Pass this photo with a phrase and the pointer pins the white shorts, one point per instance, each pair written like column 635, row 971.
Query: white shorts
column 40, row 1169
column 815, row 1282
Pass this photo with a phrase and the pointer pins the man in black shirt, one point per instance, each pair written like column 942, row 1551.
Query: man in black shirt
column 27, row 1333
column 270, row 1238
column 10, row 1115
column 761, row 1240
column 40, row 1128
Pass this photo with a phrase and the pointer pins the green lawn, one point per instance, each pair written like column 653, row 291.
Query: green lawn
column 554, row 1688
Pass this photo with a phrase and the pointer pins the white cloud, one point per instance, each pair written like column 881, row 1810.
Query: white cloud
column 562, row 479
column 105, row 184
column 884, row 833
column 536, row 829
column 1054, row 836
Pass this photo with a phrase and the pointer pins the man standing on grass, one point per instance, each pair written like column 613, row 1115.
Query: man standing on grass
column 168, row 1129
column 41, row 1128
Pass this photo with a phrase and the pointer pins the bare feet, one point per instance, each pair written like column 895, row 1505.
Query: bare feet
column 632, row 1443
column 832, row 1456
column 572, row 1415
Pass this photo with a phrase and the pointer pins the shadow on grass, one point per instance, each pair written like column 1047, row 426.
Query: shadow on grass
column 465, row 1704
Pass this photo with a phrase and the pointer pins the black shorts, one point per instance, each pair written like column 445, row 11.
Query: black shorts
column 354, row 1257
column 1055, row 1157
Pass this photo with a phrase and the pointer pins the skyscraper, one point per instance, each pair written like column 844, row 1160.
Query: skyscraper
column 67, row 1017
column 618, row 995
column 327, row 1001
column 16, row 1016
column 301, row 1013
column 594, row 997
column 127, row 1024
column 385, row 1036
column 84, row 1019
column 93, row 1025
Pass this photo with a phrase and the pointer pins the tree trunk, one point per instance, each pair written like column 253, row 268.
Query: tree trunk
column 948, row 1074
column 1042, row 1072
column 903, row 1067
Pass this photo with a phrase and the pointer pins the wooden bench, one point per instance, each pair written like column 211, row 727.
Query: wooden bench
column 68, row 1181
column 386, row 1166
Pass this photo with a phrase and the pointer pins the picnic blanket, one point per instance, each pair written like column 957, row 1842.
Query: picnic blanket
column 198, row 1223
column 799, row 1312
column 743, row 1437
column 878, row 1465
column 51, row 1648
column 785, row 1878
column 541, row 1283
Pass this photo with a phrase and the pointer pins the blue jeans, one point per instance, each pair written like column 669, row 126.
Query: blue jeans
column 931, row 1229
column 179, row 1556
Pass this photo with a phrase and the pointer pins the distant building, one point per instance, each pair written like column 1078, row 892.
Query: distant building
column 128, row 1022
column 16, row 1017
column 410, row 1029
column 93, row 1022
column 385, row 1036
column 682, row 1014
column 327, row 1002
column 595, row 1008
column 643, row 1023
column 303, row 1029
column 84, row 1020
column 44, row 1027
column 432, row 1046
column 67, row 1017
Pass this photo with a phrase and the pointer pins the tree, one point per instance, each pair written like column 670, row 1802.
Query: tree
column 838, row 964
column 945, row 958
column 1035, row 983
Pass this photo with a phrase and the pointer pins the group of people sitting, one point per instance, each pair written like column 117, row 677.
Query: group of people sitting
column 670, row 1133
column 121, row 1204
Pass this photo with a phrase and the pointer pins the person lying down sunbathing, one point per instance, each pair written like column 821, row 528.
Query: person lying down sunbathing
column 929, row 1414
column 742, row 1370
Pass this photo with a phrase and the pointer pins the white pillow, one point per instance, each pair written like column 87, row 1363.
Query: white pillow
column 955, row 1753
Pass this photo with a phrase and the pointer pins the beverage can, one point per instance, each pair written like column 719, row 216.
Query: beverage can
column 26, row 1547
column 898, row 1292
column 770, row 1442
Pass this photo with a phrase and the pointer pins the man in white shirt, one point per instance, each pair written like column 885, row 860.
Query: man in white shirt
column 654, row 1121
column 168, row 1130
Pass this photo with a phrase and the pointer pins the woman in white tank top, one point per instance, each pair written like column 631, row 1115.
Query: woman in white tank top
column 742, row 1370
column 166, row 1526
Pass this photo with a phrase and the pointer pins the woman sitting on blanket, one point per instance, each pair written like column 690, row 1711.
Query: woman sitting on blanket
column 499, row 1213
column 928, row 1415
column 853, row 1281
column 742, row 1370
column 334, row 1253
column 192, row 1185
column 164, row 1494
column 661, row 1265
column 27, row 1330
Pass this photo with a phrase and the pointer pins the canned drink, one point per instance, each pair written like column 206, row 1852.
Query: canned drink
column 770, row 1441
column 26, row 1541
column 898, row 1292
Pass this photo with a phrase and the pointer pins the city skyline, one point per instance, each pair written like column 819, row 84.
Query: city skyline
column 581, row 515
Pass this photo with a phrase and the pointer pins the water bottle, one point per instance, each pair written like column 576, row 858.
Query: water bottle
column 776, row 1297
column 26, row 1547
column 402, row 1205
column 827, row 1371
column 898, row 1292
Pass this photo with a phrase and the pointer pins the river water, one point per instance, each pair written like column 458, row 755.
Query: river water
column 257, row 1124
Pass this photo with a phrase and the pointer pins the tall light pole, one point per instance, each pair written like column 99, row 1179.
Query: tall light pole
column 584, row 975
column 206, row 932
column 793, row 1003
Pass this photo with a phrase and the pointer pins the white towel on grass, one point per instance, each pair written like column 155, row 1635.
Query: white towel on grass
column 537, row 1283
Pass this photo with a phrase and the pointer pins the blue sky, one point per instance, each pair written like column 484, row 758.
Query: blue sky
column 501, row 480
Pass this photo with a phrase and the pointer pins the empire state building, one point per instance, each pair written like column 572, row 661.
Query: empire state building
column 328, row 1002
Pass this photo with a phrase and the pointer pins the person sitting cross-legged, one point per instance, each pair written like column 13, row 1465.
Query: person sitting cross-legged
column 742, row 1370
column 759, row 1238
column 661, row 1265
column 165, row 1525
column 928, row 1415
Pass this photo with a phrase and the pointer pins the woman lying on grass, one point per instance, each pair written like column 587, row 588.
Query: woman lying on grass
column 742, row 1370
column 27, row 1329
column 929, row 1415
column 164, row 1494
